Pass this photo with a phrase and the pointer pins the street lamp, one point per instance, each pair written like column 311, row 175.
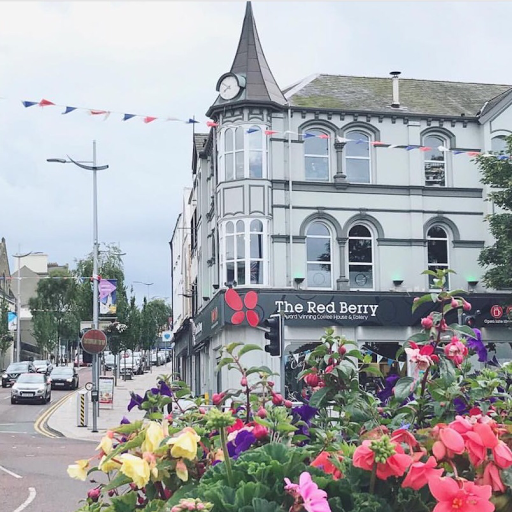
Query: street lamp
column 95, row 302
column 18, row 307
column 145, row 284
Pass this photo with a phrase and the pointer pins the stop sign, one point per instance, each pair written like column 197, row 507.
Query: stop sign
column 94, row 341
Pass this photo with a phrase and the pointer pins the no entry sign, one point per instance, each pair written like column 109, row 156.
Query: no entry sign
column 94, row 341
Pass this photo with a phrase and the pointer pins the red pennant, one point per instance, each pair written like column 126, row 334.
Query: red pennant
column 45, row 103
column 425, row 148
column 323, row 136
column 377, row 143
column 97, row 112
column 474, row 153
column 270, row 132
column 211, row 124
column 149, row 119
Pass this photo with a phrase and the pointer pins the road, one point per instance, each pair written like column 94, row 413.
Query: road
column 33, row 467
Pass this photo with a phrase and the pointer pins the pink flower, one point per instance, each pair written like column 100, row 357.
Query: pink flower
column 420, row 473
column 420, row 356
column 492, row 477
column 448, row 443
column 502, row 455
column 404, row 436
column 427, row 322
column 323, row 462
column 396, row 465
column 259, row 431
column 456, row 351
column 466, row 497
column 307, row 493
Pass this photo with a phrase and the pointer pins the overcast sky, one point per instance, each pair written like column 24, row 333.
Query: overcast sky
column 163, row 59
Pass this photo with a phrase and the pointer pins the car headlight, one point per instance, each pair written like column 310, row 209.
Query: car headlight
column 4, row 375
column 40, row 390
column 14, row 391
column 69, row 380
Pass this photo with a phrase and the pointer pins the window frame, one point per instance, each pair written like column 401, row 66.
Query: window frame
column 437, row 265
column 316, row 262
column 372, row 239
column 369, row 158
column 502, row 138
column 443, row 142
column 247, row 259
column 246, row 150
column 321, row 131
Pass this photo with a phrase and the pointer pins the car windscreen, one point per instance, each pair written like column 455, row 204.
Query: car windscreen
column 62, row 371
column 17, row 367
column 31, row 378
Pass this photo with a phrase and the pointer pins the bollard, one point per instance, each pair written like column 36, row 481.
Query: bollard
column 82, row 408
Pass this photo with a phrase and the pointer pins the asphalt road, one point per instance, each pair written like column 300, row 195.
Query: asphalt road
column 33, row 467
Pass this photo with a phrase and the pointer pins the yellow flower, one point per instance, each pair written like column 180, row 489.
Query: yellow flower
column 181, row 470
column 135, row 468
column 154, row 436
column 219, row 455
column 79, row 470
column 185, row 445
column 109, row 465
column 105, row 445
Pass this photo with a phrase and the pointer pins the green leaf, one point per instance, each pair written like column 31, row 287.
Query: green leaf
column 403, row 388
column 248, row 348
column 229, row 348
column 463, row 329
column 128, row 429
column 133, row 443
column 223, row 362
column 285, row 427
column 355, row 353
column 318, row 396
column 421, row 300
column 372, row 370
column 429, row 273
column 419, row 337
column 125, row 503
column 446, row 372
column 155, row 506
column 181, row 493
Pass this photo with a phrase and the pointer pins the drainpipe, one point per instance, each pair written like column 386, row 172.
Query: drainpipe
column 290, row 191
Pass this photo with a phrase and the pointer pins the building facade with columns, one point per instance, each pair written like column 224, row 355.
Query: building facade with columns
column 328, row 198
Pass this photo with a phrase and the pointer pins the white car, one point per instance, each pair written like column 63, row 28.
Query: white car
column 31, row 387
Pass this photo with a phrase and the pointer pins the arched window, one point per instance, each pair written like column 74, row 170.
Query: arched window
column 499, row 144
column 437, row 252
column 255, row 152
column 229, row 146
column 239, row 153
column 243, row 258
column 357, row 157
column 435, row 163
column 360, row 257
column 316, row 155
column 319, row 256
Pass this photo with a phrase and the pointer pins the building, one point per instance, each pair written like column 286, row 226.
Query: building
column 6, row 298
column 328, row 199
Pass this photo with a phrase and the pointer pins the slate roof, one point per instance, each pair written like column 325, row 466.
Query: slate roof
column 200, row 140
column 371, row 94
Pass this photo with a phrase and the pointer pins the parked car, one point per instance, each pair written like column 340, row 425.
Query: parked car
column 63, row 377
column 31, row 387
column 43, row 366
column 110, row 362
column 14, row 370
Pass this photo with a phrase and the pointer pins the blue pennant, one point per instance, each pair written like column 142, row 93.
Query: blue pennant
column 68, row 110
column 252, row 130
column 503, row 157
column 128, row 116
column 308, row 135
column 27, row 104
column 191, row 121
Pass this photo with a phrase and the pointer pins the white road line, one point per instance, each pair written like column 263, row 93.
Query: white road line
column 10, row 472
column 31, row 496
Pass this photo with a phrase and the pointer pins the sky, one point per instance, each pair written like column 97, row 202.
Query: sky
column 163, row 59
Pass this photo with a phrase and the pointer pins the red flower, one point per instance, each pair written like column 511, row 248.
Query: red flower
column 239, row 424
column 463, row 497
column 234, row 301
column 259, row 431
column 323, row 462
column 420, row 473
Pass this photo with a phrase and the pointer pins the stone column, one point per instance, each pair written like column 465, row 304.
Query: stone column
column 340, row 178
column 342, row 283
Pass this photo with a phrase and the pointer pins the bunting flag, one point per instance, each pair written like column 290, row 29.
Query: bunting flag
column 68, row 110
column 126, row 117
column 45, row 103
column 27, row 104
column 379, row 357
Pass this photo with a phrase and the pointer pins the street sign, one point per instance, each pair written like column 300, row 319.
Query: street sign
column 166, row 336
column 94, row 341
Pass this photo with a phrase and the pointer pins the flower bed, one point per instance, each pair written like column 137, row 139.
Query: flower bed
column 436, row 441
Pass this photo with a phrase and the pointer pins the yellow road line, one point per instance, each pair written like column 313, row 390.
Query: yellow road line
column 40, row 424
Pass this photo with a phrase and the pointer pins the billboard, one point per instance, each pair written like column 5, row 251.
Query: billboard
column 108, row 297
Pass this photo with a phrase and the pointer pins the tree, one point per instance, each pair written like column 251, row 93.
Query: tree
column 54, row 310
column 110, row 266
column 154, row 319
column 497, row 258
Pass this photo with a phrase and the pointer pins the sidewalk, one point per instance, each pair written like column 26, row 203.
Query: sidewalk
column 64, row 418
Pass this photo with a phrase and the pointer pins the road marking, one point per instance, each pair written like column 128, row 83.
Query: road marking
column 40, row 423
column 31, row 496
column 10, row 472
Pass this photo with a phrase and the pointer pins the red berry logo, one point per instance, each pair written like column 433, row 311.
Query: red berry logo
column 234, row 301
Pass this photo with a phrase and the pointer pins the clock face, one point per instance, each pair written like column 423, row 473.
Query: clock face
column 229, row 88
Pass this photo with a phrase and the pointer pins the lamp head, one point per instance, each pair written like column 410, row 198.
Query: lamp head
column 56, row 160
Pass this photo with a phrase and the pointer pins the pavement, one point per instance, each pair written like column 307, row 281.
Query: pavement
column 63, row 418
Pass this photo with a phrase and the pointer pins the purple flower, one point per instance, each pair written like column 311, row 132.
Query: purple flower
column 460, row 405
column 242, row 442
column 305, row 412
column 136, row 401
column 478, row 346
column 125, row 421
column 164, row 388
column 387, row 391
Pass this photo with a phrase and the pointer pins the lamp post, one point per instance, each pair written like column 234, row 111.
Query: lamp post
column 95, row 302
column 147, row 300
column 18, row 306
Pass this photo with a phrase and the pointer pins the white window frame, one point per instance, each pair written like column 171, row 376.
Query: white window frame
column 443, row 265
column 316, row 262
column 318, row 131
column 247, row 251
column 358, row 263
column 503, row 139
column 369, row 157
column 442, row 142
column 221, row 141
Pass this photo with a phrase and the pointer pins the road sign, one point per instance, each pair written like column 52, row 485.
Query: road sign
column 94, row 341
column 166, row 336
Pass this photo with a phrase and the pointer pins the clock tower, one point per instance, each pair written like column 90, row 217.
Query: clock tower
column 250, row 81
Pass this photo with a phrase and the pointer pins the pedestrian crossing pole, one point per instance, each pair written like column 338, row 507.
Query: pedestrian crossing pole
column 82, row 409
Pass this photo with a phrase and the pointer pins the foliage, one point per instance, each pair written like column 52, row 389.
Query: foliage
column 154, row 317
column 439, row 440
column 497, row 258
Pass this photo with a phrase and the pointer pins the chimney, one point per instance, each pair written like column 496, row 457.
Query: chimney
column 396, row 88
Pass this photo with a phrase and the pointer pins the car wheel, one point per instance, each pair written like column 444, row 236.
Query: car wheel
column 4, row 385
column 49, row 397
column 76, row 385
column 13, row 401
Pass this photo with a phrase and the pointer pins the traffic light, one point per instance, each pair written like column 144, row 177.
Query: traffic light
column 469, row 320
column 274, row 335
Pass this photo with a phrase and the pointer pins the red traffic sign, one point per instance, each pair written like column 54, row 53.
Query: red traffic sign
column 94, row 341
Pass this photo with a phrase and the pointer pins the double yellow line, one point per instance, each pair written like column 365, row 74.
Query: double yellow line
column 40, row 424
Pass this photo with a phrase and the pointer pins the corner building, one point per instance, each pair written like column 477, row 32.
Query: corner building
column 328, row 199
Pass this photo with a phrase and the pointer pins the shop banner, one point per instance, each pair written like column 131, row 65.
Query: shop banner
column 106, row 390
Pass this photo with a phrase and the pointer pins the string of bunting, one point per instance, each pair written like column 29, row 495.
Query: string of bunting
column 380, row 357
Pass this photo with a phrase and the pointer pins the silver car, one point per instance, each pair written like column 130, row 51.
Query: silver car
column 31, row 387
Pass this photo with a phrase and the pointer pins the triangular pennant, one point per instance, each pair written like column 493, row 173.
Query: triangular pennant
column 149, row 119
column 401, row 364
column 97, row 112
column 252, row 130
column 191, row 121
column 442, row 148
column 503, row 157
column 107, row 115
column 126, row 117
column 457, row 152
column 393, row 146
column 425, row 148
column 361, row 141
column 212, row 124
column 411, row 146
column 473, row 153
column 379, row 358
column 45, row 103
column 270, row 132
column 27, row 104
column 377, row 143
column 308, row 135
column 323, row 136
column 296, row 357
column 175, row 119
column 486, row 155
column 390, row 361
column 68, row 110
column 343, row 139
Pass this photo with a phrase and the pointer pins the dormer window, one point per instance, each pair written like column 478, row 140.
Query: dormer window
column 242, row 152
